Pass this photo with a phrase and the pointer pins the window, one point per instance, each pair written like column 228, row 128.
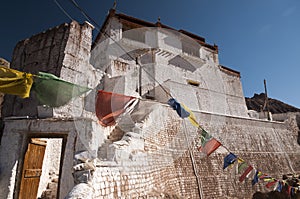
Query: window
column 133, row 33
column 193, row 82
column 191, row 48
column 120, row 66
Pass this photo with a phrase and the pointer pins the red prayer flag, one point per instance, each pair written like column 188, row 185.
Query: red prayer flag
column 246, row 172
column 271, row 184
column 210, row 146
column 109, row 106
column 289, row 190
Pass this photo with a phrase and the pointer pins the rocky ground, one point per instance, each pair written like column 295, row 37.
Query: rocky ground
column 275, row 106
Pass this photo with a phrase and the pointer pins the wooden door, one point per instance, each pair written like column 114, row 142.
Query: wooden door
column 32, row 169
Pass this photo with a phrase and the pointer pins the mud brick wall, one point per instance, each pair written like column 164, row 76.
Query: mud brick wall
column 63, row 51
column 270, row 147
column 41, row 52
column 164, row 169
column 170, row 169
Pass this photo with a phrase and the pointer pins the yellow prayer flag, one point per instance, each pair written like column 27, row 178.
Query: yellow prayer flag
column 269, row 179
column 192, row 117
column 241, row 165
column 15, row 82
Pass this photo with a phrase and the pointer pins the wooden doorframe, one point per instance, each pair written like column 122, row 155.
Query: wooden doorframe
column 26, row 140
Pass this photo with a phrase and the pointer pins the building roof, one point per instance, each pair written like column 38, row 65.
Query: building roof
column 230, row 71
column 141, row 23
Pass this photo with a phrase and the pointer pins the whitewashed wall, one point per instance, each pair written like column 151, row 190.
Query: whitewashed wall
column 218, row 92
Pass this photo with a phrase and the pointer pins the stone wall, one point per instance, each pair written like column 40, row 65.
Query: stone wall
column 142, row 163
column 270, row 147
column 42, row 52
column 171, row 166
column 63, row 51
column 79, row 135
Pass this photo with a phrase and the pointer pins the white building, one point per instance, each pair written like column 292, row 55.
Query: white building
column 150, row 152
column 183, row 63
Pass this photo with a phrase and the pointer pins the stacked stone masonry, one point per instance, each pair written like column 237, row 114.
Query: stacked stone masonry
column 172, row 173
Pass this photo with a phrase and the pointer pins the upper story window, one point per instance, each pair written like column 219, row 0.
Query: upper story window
column 121, row 66
column 193, row 82
column 133, row 33
column 191, row 47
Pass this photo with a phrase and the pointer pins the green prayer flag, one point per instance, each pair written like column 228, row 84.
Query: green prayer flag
column 205, row 137
column 53, row 91
column 241, row 166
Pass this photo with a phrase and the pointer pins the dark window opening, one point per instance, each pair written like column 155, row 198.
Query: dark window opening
column 150, row 96
column 193, row 83
column 133, row 33
column 121, row 66
column 191, row 48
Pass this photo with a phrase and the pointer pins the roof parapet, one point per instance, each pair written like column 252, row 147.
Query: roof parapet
column 230, row 71
column 139, row 22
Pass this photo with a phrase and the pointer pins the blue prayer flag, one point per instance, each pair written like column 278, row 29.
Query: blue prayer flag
column 292, row 191
column 279, row 187
column 255, row 179
column 229, row 159
column 179, row 109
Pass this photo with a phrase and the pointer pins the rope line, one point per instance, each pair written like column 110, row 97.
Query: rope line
column 191, row 152
column 63, row 10
column 98, row 28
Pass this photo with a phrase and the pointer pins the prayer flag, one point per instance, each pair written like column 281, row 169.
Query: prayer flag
column 179, row 109
column 229, row 159
column 246, row 172
column 53, row 91
column 259, row 174
column 183, row 111
column 210, row 146
column 15, row 82
column 255, row 178
column 191, row 117
column 241, row 165
column 271, row 184
column 111, row 105
column 292, row 192
column 289, row 190
column 251, row 174
column 279, row 186
column 204, row 137
column 266, row 178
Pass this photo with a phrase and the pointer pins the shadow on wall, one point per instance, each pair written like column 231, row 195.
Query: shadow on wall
column 8, row 166
column 298, row 140
column 298, row 124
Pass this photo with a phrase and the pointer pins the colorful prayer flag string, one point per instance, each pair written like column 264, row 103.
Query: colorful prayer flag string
column 207, row 144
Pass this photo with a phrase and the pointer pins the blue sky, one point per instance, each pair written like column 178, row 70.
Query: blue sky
column 261, row 39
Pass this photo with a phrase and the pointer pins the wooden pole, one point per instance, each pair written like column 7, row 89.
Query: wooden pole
column 266, row 104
